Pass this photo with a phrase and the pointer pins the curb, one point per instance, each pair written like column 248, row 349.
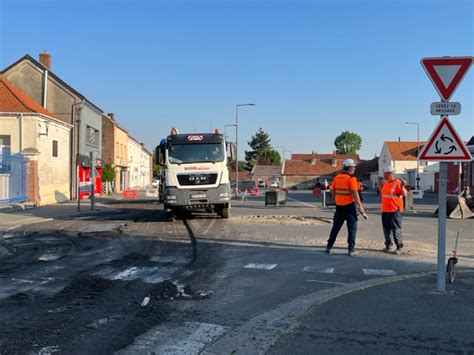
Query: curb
column 258, row 334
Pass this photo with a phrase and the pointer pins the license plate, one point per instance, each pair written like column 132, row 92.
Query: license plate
column 198, row 196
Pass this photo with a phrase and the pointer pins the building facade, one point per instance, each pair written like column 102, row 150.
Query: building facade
column 34, row 150
column 36, row 80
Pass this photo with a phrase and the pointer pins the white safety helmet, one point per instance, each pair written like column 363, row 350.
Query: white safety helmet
column 389, row 169
column 348, row 163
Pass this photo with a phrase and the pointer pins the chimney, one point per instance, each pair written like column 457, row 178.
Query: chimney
column 313, row 161
column 45, row 59
column 112, row 116
column 334, row 159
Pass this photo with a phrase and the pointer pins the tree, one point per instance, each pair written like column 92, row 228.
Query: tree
column 108, row 175
column 270, row 157
column 260, row 144
column 348, row 143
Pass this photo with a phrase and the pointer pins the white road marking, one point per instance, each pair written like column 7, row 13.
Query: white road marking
column 49, row 257
column 260, row 266
column 328, row 282
column 379, row 272
column 147, row 274
column 208, row 227
column 301, row 202
column 322, row 270
column 189, row 338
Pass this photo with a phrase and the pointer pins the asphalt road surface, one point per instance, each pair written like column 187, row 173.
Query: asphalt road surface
column 128, row 281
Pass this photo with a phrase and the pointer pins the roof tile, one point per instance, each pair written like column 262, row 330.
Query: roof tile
column 12, row 99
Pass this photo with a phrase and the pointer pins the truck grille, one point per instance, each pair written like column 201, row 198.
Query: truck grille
column 197, row 179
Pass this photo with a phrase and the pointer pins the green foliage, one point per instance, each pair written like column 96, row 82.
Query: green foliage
column 108, row 173
column 261, row 150
column 348, row 143
column 157, row 170
column 270, row 157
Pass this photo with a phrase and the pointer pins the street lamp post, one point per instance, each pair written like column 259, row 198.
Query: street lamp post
column 237, row 145
column 284, row 151
column 225, row 129
column 417, row 153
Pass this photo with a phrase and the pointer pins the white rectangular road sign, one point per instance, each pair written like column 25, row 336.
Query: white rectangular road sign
column 445, row 108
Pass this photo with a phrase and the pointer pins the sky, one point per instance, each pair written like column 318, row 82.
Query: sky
column 313, row 68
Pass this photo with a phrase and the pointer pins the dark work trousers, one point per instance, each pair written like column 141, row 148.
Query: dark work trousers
column 346, row 213
column 392, row 228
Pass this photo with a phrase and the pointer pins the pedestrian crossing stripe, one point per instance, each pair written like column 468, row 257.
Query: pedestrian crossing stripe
column 379, row 272
column 260, row 266
column 322, row 270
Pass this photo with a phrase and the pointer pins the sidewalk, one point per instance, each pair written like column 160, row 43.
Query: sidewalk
column 17, row 217
column 401, row 317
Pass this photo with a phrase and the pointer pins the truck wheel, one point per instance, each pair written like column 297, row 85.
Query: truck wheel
column 224, row 211
column 170, row 213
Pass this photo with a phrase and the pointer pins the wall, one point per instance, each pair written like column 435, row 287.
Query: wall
column 53, row 172
column 10, row 125
column 91, row 119
column 146, row 167
column 38, row 133
column 108, row 140
column 134, row 161
column 29, row 78
column 121, row 158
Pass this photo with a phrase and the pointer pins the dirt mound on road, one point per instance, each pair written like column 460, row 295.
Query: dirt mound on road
column 285, row 220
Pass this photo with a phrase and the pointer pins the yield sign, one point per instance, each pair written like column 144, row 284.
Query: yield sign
column 446, row 73
column 445, row 145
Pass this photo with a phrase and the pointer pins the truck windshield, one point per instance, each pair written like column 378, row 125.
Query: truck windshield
column 196, row 153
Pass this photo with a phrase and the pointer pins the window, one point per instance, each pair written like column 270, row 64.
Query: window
column 55, row 149
column 92, row 136
column 5, row 151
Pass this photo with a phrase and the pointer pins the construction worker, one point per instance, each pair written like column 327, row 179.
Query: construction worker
column 393, row 191
column 344, row 190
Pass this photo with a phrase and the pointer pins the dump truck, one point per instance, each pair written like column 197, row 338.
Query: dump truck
column 195, row 173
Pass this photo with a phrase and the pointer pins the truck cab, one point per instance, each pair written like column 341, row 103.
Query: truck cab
column 195, row 173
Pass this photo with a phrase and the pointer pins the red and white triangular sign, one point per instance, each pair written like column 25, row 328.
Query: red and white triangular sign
column 445, row 145
column 446, row 73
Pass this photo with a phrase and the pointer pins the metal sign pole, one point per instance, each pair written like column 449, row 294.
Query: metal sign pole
column 78, row 191
column 443, row 175
column 91, row 154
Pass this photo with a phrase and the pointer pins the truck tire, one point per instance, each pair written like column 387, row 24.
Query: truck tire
column 171, row 216
column 223, row 211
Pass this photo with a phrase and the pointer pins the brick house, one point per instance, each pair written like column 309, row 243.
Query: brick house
column 266, row 173
column 34, row 150
column 402, row 156
column 303, row 170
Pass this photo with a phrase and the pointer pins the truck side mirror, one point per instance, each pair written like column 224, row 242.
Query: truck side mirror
column 159, row 155
column 232, row 149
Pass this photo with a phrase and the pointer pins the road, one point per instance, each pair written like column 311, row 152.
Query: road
column 80, row 284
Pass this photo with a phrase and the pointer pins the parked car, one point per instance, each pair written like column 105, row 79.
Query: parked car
column 155, row 183
column 274, row 185
column 261, row 184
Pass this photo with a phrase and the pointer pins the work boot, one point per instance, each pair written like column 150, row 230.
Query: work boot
column 353, row 253
column 386, row 249
column 397, row 251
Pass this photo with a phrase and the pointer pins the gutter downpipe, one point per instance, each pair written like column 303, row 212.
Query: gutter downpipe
column 45, row 88
column 75, row 147
column 20, row 126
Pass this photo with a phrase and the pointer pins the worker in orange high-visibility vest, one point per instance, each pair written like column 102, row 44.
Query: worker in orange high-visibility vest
column 393, row 191
column 345, row 192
